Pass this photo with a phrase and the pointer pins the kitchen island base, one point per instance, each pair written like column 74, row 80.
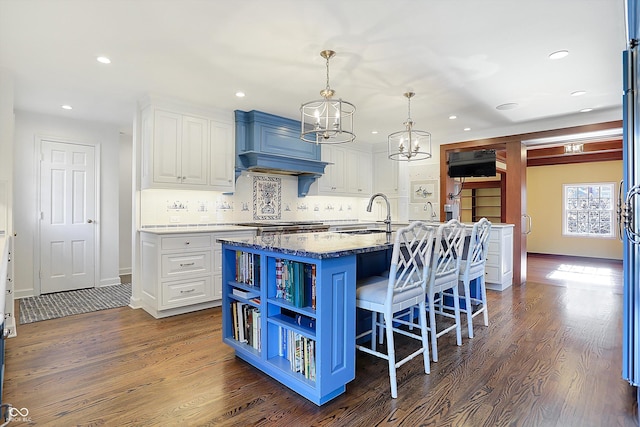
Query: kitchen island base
column 292, row 317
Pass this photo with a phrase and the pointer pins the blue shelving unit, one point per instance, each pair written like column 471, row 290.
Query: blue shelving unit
column 333, row 329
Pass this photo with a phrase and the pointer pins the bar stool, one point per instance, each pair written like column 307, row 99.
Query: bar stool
column 403, row 289
column 443, row 276
column 473, row 267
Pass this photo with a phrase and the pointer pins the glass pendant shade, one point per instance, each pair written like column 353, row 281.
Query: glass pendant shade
column 409, row 144
column 327, row 121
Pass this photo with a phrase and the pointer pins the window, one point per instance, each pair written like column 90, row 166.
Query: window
column 589, row 210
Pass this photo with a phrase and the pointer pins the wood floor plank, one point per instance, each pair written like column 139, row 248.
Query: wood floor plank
column 551, row 356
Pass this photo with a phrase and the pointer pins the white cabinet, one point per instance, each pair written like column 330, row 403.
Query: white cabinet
column 222, row 155
column 333, row 181
column 350, row 173
column 180, row 149
column 176, row 272
column 182, row 272
column 385, row 174
column 499, row 266
column 359, row 167
column 186, row 151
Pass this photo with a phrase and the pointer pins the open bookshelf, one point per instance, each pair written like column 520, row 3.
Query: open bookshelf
column 285, row 315
column 482, row 199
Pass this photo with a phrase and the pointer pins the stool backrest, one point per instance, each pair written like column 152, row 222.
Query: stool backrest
column 479, row 243
column 411, row 253
column 447, row 252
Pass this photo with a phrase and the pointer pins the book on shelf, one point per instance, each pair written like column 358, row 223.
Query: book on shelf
column 245, row 324
column 247, row 268
column 299, row 351
column 279, row 284
column 245, row 294
column 296, row 283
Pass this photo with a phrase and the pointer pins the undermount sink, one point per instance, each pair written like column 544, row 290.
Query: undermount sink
column 362, row 231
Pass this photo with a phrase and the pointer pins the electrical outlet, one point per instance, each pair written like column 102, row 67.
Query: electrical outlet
column 174, row 219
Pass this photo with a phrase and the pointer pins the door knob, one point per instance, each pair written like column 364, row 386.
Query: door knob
column 90, row 221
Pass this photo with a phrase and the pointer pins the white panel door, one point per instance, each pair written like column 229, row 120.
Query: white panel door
column 67, row 225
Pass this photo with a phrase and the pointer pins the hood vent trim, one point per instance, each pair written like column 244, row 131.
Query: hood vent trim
column 271, row 144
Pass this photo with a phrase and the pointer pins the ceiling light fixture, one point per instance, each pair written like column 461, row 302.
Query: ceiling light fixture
column 327, row 121
column 240, row 94
column 559, row 54
column 453, row 117
column 103, row 60
column 507, row 106
column 573, row 148
column 409, row 144
column 67, row 107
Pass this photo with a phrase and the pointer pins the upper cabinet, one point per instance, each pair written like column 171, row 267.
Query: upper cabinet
column 185, row 150
column 385, row 175
column 334, row 180
column 221, row 173
column 349, row 172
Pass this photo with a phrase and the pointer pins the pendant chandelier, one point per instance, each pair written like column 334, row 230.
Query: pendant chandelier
column 327, row 121
column 409, row 144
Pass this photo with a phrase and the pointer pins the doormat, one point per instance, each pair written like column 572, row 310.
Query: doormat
column 61, row 304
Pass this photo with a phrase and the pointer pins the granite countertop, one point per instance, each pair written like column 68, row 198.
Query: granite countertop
column 317, row 245
column 168, row 229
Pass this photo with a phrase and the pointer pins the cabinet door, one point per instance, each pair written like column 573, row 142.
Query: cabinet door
column 385, row 174
column 195, row 151
column 221, row 174
column 334, row 180
column 358, row 171
column 167, row 153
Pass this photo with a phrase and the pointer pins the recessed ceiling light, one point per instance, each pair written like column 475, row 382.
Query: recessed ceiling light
column 452, row 117
column 375, row 132
column 578, row 93
column 67, row 107
column 467, row 129
column 103, row 60
column 240, row 94
column 559, row 54
column 507, row 106
column 586, row 110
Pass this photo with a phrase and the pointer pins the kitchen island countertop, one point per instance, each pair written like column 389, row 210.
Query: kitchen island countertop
column 317, row 245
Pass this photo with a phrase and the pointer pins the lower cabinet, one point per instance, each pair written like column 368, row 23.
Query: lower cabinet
column 291, row 317
column 181, row 272
column 499, row 266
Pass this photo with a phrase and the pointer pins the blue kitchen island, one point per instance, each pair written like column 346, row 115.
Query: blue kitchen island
column 289, row 305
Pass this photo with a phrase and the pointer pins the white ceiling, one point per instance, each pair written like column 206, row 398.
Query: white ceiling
column 462, row 57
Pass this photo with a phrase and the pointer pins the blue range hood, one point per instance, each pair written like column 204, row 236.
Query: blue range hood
column 272, row 144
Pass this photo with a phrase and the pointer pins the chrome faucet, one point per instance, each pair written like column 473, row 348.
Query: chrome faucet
column 387, row 221
column 433, row 213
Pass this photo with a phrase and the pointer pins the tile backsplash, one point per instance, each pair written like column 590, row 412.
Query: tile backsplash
column 257, row 197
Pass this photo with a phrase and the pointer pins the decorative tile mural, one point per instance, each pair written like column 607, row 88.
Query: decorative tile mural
column 267, row 195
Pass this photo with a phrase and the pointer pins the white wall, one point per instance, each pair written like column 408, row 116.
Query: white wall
column 30, row 126
column 125, row 190
column 6, row 150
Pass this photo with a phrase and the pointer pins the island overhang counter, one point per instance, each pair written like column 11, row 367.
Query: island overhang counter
column 289, row 305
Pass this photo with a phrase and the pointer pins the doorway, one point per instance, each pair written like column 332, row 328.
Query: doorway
column 68, row 232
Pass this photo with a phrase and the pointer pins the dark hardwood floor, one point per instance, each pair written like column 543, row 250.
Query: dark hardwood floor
column 551, row 356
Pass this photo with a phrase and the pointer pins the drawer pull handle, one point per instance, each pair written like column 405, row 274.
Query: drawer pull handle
column 188, row 264
column 188, row 291
column 187, row 242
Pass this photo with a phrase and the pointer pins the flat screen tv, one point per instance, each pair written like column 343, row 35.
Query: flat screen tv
column 472, row 163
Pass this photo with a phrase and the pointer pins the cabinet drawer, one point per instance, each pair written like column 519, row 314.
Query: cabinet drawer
column 492, row 274
column 176, row 294
column 188, row 263
column 186, row 242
